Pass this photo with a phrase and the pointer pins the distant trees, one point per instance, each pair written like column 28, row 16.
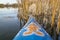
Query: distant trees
column 1, row 5
column 9, row 5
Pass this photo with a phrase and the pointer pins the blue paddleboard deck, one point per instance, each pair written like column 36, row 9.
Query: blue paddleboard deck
column 32, row 31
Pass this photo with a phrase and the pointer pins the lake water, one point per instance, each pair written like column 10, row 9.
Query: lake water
column 9, row 23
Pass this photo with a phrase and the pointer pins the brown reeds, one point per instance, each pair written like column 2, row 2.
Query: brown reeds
column 44, row 8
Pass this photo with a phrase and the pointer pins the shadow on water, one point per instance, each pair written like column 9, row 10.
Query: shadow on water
column 9, row 23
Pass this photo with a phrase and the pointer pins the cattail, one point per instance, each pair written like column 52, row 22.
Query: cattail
column 54, row 5
column 40, row 6
column 58, row 24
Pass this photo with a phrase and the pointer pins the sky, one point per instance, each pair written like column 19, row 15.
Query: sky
column 8, row 1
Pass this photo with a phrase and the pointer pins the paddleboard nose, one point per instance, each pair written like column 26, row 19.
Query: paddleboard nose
column 32, row 31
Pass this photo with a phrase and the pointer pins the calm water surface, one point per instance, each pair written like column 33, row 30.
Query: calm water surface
column 9, row 23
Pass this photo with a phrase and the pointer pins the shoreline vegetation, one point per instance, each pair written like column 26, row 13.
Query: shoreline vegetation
column 15, row 5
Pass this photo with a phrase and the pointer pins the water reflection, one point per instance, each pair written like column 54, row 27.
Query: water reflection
column 9, row 23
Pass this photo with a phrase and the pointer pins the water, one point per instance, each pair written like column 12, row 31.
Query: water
column 9, row 23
